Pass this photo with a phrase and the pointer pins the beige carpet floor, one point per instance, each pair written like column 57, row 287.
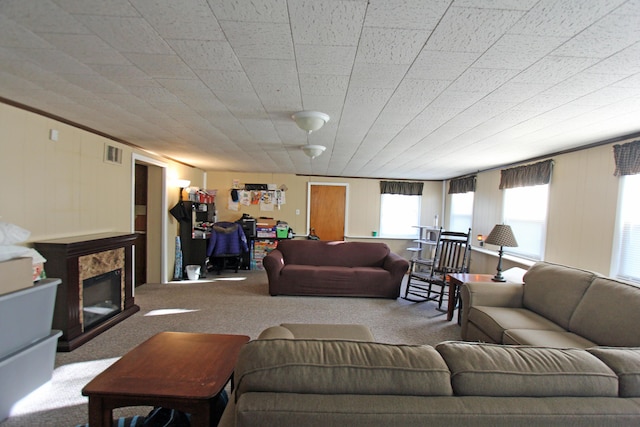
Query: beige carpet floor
column 232, row 303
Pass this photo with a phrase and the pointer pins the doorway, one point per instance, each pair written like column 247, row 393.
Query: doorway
column 327, row 210
column 149, row 220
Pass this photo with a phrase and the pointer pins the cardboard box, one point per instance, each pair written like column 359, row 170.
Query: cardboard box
column 16, row 274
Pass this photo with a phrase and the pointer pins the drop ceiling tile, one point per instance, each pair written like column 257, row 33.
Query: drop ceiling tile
column 98, row 7
column 126, row 34
column 471, row 30
column 191, row 20
column 405, row 14
column 242, row 104
column 161, row 66
column 206, row 54
column 518, row 51
column 41, row 16
column 154, row 94
column 390, row 46
column 56, row 62
column 94, row 83
column 236, row 81
column 251, row 11
column 335, row 23
column 270, row 70
column 497, row 4
column 86, row 48
column 329, row 104
column 412, row 96
column 317, row 84
column 16, row 36
column 563, row 18
column 279, row 98
column 440, row 65
column 379, row 76
column 260, row 40
column 606, row 37
column 624, row 62
column 554, row 69
column 629, row 82
column 482, row 80
column 321, row 59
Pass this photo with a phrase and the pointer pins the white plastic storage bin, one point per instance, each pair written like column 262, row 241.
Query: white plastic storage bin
column 24, row 371
column 26, row 315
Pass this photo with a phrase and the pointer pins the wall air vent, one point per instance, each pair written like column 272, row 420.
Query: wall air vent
column 112, row 154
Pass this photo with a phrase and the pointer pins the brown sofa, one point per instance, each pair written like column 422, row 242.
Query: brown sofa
column 337, row 268
column 557, row 306
column 332, row 375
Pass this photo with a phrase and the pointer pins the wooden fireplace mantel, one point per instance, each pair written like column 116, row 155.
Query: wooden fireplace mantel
column 75, row 258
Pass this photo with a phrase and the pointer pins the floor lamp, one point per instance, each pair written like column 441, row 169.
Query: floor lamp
column 502, row 236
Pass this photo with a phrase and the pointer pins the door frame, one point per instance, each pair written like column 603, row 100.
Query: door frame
column 139, row 158
column 346, row 203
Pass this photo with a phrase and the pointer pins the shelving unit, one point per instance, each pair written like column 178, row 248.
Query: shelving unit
column 423, row 254
column 193, row 234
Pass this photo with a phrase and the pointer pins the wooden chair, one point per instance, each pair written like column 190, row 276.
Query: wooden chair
column 452, row 256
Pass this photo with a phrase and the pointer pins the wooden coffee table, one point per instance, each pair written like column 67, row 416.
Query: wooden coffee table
column 178, row 370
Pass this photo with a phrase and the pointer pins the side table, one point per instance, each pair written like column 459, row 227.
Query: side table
column 179, row 370
column 513, row 275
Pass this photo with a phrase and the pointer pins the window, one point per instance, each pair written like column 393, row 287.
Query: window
column 398, row 215
column 525, row 210
column 461, row 211
column 627, row 246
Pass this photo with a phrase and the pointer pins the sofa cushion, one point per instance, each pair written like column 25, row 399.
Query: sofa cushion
column 545, row 338
column 625, row 362
column 554, row 291
column 493, row 321
column 318, row 331
column 496, row 370
column 340, row 367
column 335, row 253
column 608, row 314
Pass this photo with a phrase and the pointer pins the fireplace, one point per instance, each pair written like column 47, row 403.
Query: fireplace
column 101, row 298
column 97, row 284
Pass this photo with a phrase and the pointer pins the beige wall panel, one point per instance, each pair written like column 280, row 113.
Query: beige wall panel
column 582, row 208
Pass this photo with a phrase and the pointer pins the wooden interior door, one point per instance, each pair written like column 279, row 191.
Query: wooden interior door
column 327, row 209
column 140, row 223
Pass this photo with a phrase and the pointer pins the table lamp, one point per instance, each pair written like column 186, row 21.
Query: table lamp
column 502, row 236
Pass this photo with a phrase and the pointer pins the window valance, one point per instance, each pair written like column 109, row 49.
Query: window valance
column 627, row 158
column 401, row 187
column 527, row 175
column 462, row 185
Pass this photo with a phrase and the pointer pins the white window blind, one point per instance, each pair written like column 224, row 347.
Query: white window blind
column 398, row 215
column 628, row 234
column 461, row 211
column 525, row 210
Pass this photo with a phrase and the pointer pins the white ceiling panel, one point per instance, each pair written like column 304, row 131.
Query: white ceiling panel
column 414, row 89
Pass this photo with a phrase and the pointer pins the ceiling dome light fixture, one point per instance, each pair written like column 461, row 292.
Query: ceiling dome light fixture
column 313, row 151
column 310, row 121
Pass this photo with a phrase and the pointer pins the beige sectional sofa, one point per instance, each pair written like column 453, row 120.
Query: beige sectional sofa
column 342, row 379
column 557, row 306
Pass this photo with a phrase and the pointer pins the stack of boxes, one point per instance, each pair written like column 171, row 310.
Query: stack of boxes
column 264, row 242
column 28, row 345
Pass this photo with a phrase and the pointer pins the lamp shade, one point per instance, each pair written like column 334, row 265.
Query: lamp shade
column 313, row 151
column 501, row 235
column 310, row 121
column 183, row 183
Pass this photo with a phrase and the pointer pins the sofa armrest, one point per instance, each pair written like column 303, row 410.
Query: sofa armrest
column 273, row 264
column 396, row 265
column 488, row 294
